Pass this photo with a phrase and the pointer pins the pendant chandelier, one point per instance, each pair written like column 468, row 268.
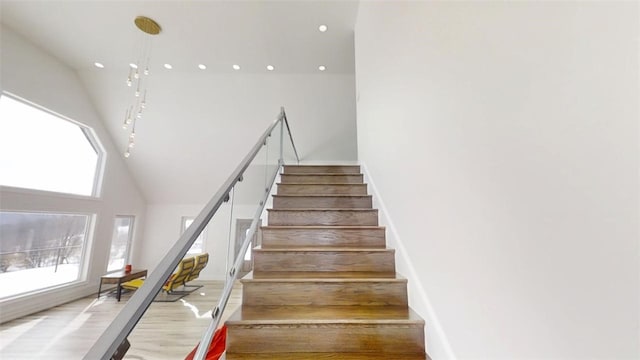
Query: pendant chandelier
column 138, row 79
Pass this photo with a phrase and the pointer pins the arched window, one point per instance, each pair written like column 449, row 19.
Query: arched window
column 43, row 151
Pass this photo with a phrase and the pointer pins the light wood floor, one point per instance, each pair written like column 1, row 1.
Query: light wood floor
column 167, row 330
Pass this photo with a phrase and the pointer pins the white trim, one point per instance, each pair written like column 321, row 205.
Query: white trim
column 432, row 323
column 127, row 256
column 49, row 193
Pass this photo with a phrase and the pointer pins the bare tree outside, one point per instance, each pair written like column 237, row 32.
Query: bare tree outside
column 35, row 240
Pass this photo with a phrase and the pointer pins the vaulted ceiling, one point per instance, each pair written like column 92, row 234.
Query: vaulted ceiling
column 202, row 122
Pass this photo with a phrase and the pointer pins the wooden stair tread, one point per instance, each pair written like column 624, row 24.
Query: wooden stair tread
column 322, row 275
column 326, row 356
column 320, row 195
column 322, row 188
column 323, row 174
column 320, row 216
column 324, row 249
column 303, row 236
column 291, row 314
column 329, row 169
column 326, row 209
column 321, row 227
column 336, row 183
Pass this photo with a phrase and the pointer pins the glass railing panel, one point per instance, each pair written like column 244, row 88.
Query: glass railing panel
column 274, row 147
column 189, row 302
column 232, row 229
column 247, row 201
column 289, row 147
column 246, row 198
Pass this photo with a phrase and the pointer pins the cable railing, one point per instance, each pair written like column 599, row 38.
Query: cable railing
column 40, row 257
column 113, row 343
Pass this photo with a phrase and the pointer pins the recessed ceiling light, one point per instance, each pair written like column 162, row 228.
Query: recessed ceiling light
column 98, row 65
column 323, row 28
column 322, row 68
column 168, row 66
column 270, row 67
column 133, row 66
column 202, row 66
column 236, row 67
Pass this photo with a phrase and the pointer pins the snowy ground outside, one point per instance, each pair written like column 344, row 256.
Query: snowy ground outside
column 18, row 282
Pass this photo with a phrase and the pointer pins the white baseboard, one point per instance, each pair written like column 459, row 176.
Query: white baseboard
column 438, row 343
column 18, row 307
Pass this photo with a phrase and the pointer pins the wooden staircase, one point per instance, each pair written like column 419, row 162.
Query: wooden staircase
column 324, row 284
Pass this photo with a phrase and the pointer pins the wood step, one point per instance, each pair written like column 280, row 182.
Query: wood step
column 322, row 189
column 319, row 236
column 324, row 275
column 316, row 169
column 312, row 217
column 324, row 291
column 324, row 259
column 324, row 285
column 364, row 329
column 322, row 201
column 276, row 314
column 324, row 356
column 312, row 178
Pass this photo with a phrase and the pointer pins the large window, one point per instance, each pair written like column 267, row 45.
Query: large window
column 198, row 246
column 42, row 151
column 40, row 250
column 120, row 243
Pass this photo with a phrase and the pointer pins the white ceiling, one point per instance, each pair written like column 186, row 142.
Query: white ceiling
column 202, row 122
column 216, row 33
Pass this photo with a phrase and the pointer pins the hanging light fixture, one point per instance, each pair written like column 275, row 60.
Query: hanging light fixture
column 138, row 79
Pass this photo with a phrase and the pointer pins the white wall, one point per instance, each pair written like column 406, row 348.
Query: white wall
column 32, row 74
column 163, row 229
column 502, row 138
column 164, row 221
column 224, row 123
column 199, row 126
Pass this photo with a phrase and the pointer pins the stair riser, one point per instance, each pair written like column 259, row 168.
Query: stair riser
column 362, row 338
column 321, row 179
column 322, row 189
column 324, row 293
column 371, row 238
column 323, row 356
column 344, row 169
column 322, row 202
column 265, row 261
column 319, row 217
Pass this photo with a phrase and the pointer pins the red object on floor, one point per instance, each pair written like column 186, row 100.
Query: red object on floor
column 217, row 346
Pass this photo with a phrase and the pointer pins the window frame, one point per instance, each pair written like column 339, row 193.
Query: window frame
column 92, row 138
column 203, row 234
column 83, row 265
column 127, row 259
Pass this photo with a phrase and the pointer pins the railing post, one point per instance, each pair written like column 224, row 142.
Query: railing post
column 281, row 160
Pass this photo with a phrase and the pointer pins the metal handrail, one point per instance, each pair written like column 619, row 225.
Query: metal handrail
column 217, row 311
column 117, row 332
